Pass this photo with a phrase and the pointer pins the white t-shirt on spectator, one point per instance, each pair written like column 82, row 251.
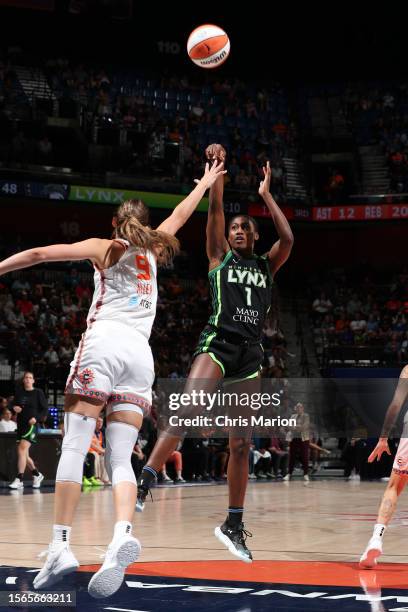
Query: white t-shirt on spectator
column 358, row 325
column 6, row 426
column 322, row 306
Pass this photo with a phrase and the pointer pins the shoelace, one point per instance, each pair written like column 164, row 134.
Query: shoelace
column 145, row 492
column 242, row 534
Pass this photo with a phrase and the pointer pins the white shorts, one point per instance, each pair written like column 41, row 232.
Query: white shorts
column 401, row 458
column 113, row 363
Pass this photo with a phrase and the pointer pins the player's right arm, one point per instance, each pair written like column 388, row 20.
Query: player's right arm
column 391, row 416
column 95, row 249
column 217, row 244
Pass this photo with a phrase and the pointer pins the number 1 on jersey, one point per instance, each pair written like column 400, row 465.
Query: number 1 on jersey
column 142, row 263
column 248, row 292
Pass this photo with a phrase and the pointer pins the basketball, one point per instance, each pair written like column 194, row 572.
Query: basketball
column 208, row 46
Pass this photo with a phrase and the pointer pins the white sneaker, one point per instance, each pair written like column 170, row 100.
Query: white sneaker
column 120, row 554
column 16, row 484
column 306, row 478
column 166, row 478
column 286, row 478
column 372, row 552
column 251, row 477
column 60, row 562
column 37, row 480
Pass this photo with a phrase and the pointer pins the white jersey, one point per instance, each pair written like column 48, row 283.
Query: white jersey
column 127, row 291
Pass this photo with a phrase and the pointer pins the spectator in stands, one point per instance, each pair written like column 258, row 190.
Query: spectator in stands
column 299, row 444
column 174, row 287
column 88, row 478
column 45, row 150
column 280, row 456
column 403, row 354
column 321, row 306
column 98, row 450
column 358, row 324
column 277, row 175
column 15, row 318
column 392, row 349
column 335, row 187
column 372, row 326
column 66, row 351
column 262, row 463
column 195, row 459
column 6, row 423
column 354, row 305
column 219, row 454
column 341, row 324
column 20, row 285
column 30, row 405
column 353, row 457
column 242, row 181
column 25, row 305
column 393, row 304
column 175, row 458
column 51, row 357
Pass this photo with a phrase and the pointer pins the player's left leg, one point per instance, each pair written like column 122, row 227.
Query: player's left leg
column 37, row 476
column 232, row 532
column 386, row 511
column 22, row 452
column 124, row 421
column 79, row 424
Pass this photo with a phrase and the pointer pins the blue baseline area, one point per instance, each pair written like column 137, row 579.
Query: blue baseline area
column 162, row 594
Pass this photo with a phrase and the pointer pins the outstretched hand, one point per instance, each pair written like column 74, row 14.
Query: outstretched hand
column 215, row 152
column 382, row 447
column 266, row 183
column 211, row 174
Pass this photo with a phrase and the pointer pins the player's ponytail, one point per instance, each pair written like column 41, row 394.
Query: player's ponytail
column 132, row 218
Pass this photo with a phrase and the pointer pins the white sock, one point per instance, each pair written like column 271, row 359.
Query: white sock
column 61, row 533
column 122, row 528
column 379, row 530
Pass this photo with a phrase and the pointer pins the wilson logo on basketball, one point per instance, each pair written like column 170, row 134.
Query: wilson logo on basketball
column 86, row 377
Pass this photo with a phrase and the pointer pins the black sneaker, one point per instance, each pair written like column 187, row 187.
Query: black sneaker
column 142, row 492
column 233, row 537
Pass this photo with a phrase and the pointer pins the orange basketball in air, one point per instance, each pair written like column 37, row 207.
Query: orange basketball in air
column 208, row 46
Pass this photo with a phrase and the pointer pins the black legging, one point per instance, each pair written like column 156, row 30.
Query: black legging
column 195, row 462
column 89, row 465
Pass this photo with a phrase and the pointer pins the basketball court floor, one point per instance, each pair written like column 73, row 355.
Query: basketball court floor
column 307, row 539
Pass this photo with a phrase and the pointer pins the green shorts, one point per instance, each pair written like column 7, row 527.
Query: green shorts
column 27, row 432
column 237, row 357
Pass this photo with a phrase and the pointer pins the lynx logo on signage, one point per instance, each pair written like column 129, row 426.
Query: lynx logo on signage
column 85, row 193
column 91, row 194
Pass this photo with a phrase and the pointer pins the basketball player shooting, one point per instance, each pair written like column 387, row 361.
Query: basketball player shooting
column 230, row 345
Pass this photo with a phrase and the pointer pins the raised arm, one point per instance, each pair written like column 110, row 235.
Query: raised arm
column 281, row 249
column 95, row 249
column 391, row 416
column 217, row 244
column 185, row 209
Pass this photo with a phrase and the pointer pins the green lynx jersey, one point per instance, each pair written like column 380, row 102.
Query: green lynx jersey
column 241, row 295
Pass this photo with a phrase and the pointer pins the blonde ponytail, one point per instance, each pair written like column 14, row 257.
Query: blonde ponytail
column 132, row 219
